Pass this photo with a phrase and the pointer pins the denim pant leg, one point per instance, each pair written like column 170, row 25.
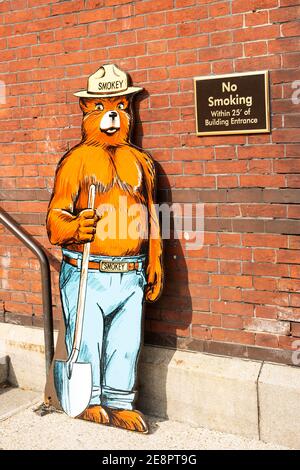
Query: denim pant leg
column 92, row 333
column 122, row 343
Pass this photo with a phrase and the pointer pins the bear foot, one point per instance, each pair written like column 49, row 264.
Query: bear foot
column 95, row 413
column 127, row 419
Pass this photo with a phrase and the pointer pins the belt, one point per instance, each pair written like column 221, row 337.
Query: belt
column 108, row 266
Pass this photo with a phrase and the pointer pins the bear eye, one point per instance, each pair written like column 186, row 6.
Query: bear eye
column 121, row 106
column 99, row 106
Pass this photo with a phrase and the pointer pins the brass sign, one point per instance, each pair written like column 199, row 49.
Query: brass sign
column 232, row 104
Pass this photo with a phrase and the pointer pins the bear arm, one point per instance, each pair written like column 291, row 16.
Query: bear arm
column 61, row 223
column 155, row 268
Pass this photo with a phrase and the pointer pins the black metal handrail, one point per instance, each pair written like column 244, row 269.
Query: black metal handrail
column 30, row 243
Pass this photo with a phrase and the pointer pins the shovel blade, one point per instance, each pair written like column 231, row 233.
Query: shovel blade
column 73, row 393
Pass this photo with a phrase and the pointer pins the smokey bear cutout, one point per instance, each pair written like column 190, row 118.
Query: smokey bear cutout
column 103, row 216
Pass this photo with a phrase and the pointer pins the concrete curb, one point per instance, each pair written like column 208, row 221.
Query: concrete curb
column 3, row 369
column 210, row 391
column 279, row 398
column 233, row 395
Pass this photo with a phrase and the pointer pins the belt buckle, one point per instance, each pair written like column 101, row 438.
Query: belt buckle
column 113, row 267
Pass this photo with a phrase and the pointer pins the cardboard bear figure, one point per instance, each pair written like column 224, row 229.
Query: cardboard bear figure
column 102, row 214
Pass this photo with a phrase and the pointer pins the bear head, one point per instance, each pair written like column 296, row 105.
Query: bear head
column 106, row 121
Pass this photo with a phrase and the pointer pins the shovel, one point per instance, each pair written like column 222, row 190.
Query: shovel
column 72, row 379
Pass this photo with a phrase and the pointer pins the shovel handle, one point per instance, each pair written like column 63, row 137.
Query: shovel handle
column 82, row 287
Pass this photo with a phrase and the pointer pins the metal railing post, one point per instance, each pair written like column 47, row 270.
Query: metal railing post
column 30, row 243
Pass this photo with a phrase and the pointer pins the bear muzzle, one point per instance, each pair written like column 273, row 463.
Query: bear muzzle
column 110, row 122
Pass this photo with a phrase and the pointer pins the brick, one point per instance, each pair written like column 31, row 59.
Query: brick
column 267, row 326
column 287, row 166
column 226, row 167
column 289, row 313
column 264, row 255
column 289, row 285
column 227, row 181
column 184, row 15
column 260, row 166
column 265, row 269
column 232, row 322
column 67, row 7
column 185, row 71
column 282, row 226
column 256, row 48
column 266, row 312
column 164, row 32
column 240, row 6
column 287, row 135
column 193, row 154
column 218, row 24
column 293, row 242
column 230, row 281
column 149, row 6
column 291, row 60
column 245, row 195
column 286, row 342
column 100, row 14
column 188, row 29
column 248, row 225
column 270, row 62
column 263, row 210
column 233, row 336
column 264, row 297
column 279, row 15
column 200, row 318
column 295, row 329
column 283, row 45
column 256, row 34
column 124, row 24
column 288, row 3
column 223, row 66
column 263, row 181
column 282, row 195
column 219, row 9
column 156, row 60
column 290, row 29
column 215, row 53
column 256, row 18
column 292, row 150
column 188, row 43
column 201, row 332
column 195, row 181
column 264, row 151
column 173, row 329
column 295, row 271
column 266, row 340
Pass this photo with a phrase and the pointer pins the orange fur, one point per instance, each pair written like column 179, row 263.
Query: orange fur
column 118, row 169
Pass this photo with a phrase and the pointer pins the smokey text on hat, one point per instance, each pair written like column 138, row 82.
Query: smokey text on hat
column 109, row 86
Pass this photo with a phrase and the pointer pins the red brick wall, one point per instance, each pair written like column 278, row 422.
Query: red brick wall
column 239, row 294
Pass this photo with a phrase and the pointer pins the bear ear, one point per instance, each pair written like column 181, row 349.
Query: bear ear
column 84, row 105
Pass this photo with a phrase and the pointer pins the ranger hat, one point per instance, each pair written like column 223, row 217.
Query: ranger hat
column 108, row 81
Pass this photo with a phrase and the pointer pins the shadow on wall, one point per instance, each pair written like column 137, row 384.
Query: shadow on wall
column 168, row 320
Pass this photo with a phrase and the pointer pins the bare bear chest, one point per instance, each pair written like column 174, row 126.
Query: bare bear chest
column 121, row 170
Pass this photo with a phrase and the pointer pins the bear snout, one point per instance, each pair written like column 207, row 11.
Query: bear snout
column 110, row 121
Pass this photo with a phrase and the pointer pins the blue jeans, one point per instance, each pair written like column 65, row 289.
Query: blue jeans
column 112, row 327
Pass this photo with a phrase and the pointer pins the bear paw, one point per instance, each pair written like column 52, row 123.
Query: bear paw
column 95, row 413
column 127, row 419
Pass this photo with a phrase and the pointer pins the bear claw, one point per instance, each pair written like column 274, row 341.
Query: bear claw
column 132, row 420
column 95, row 413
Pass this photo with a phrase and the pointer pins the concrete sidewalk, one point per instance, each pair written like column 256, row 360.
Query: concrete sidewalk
column 27, row 430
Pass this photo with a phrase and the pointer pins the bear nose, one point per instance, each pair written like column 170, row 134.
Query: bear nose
column 113, row 114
